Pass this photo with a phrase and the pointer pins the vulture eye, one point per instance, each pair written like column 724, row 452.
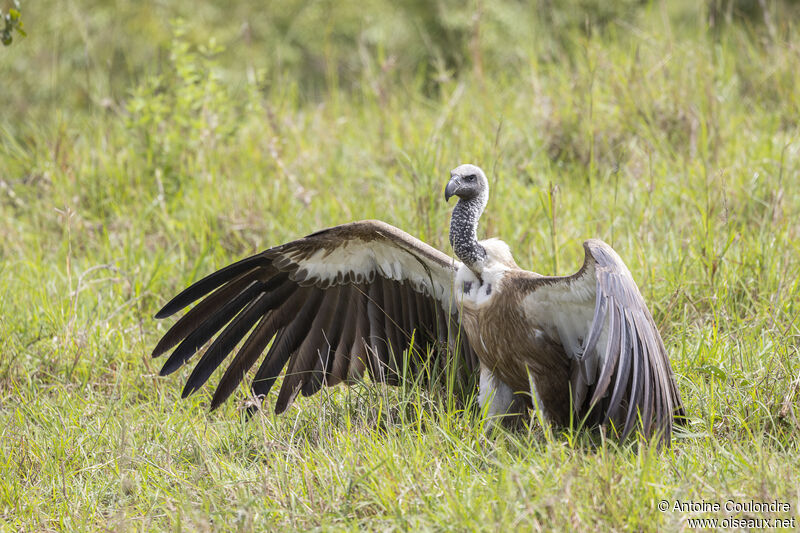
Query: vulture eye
column 471, row 177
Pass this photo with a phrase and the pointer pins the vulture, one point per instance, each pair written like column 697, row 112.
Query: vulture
column 367, row 298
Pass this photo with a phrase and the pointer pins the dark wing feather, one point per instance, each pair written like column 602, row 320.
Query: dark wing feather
column 333, row 305
column 621, row 375
column 341, row 357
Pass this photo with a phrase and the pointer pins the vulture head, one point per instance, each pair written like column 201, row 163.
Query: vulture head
column 468, row 182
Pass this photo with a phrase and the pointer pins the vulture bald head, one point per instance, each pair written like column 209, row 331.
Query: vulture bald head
column 468, row 182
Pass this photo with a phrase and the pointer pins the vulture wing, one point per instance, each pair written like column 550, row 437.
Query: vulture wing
column 620, row 371
column 335, row 304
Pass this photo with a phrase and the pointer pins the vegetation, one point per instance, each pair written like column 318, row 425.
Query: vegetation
column 12, row 23
column 142, row 146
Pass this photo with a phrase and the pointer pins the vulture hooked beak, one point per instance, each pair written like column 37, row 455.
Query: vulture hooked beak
column 452, row 187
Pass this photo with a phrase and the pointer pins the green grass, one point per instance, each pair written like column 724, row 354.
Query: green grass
column 133, row 162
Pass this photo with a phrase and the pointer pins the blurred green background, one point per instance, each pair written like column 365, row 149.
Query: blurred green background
column 87, row 55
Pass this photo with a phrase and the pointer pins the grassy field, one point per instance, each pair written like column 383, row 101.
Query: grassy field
column 144, row 146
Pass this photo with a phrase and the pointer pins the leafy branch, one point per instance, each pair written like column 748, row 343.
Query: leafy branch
column 11, row 22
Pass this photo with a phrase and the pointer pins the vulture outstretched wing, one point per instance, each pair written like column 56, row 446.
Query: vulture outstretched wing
column 335, row 304
column 620, row 371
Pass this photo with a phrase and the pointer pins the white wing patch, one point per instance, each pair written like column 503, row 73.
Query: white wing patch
column 565, row 312
column 363, row 260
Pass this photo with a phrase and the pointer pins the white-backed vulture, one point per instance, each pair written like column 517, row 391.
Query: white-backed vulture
column 349, row 299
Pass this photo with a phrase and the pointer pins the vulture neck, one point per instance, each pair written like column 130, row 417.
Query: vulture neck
column 464, row 232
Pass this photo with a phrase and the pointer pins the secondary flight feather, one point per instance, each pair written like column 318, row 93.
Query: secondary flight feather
column 368, row 298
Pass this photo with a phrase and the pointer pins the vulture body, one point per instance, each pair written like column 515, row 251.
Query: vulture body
column 366, row 297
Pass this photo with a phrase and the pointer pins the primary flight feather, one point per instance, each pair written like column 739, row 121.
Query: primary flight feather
column 366, row 297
